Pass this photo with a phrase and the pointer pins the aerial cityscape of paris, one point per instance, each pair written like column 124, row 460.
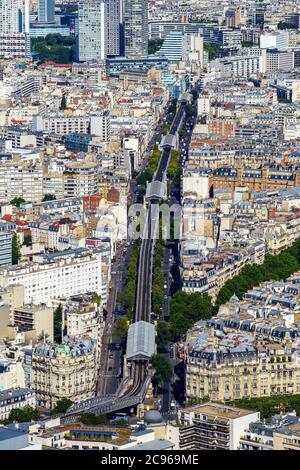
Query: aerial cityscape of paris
column 149, row 217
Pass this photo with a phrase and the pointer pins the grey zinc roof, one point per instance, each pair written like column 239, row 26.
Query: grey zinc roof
column 140, row 340
column 156, row 444
column 155, row 189
column 9, row 434
column 14, row 393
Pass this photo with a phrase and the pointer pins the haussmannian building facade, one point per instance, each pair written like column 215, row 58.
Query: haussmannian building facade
column 62, row 371
column 236, row 369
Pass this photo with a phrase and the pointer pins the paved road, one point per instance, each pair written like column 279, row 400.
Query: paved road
column 167, row 267
column 108, row 379
column 156, row 138
column 144, row 278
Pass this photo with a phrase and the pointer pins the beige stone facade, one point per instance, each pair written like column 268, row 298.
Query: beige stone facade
column 65, row 371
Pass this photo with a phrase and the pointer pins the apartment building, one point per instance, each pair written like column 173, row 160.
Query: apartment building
column 14, row 29
column 48, row 231
column 18, row 87
column 260, row 435
column 274, row 40
column 21, row 179
column 287, row 438
column 222, row 126
column 61, row 274
column 212, row 426
column 5, row 247
column 11, row 374
column 235, row 364
column 274, row 60
column 243, row 66
column 79, row 178
column 100, row 126
column 62, row 371
column 115, row 33
column 256, row 179
column 207, row 273
column 82, row 437
column 60, row 207
column 36, row 322
column 14, row 399
column 46, row 11
column 61, row 125
column 84, row 318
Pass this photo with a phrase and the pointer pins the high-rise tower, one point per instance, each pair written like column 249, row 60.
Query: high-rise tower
column 92, row 31
column 136, row 28
column 14, row 28
column 46, row 11
column 115, row 28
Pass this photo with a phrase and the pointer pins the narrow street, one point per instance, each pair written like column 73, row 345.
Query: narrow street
column 170, row 268
column 104, row 376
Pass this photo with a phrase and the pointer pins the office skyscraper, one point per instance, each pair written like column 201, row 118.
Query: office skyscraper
column 14, row 28
column 136, row 28
column 92, row 31
column 46, row 11
column 115, row 28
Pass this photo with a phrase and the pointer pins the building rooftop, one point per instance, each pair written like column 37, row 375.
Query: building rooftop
column 218, row 411
column 14, row 393
column 156, row 444
column 140, row 340
column 6, row 434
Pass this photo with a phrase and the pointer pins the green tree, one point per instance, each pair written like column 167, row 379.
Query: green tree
column 197, row 401
column 17, row 201
column 49, row 197
column 127, row 297
column 54, row 47
column 57, row 323
column 16, row 253
column 186, row 309
column 269, row 406
column 120, row 327
column 247, row 44
column 62, row 406
column 23, row 415
column 211, row 48
column 163, row 371
column 27, row 240
column 90, row 419
column 61, row 54
column 275, row 267
column 154, row 45
column 63, row 103
column 173, row 164
column 96, row 299
column 163, row 336
column 121, row 423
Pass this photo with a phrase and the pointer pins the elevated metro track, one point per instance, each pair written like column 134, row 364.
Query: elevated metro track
column 134, row 393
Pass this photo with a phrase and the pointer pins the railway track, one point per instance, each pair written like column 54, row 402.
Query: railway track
column 132, row 394
column 144, row 284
